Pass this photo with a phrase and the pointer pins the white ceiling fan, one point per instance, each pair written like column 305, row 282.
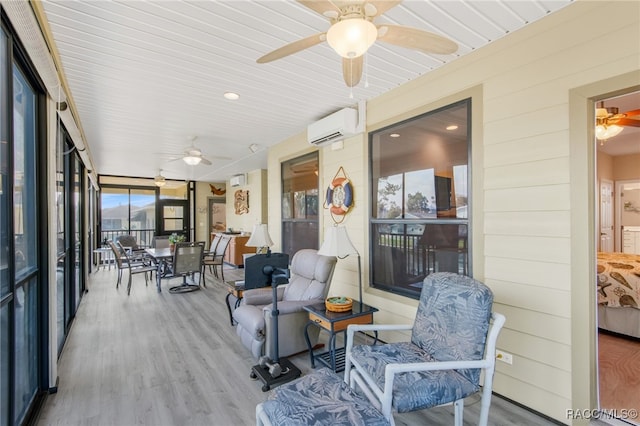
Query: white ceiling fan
column 352, row 32
column 194, row 156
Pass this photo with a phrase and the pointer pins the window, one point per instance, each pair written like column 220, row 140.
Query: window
column 128, row 211
column 419, row 192
column 300, row 203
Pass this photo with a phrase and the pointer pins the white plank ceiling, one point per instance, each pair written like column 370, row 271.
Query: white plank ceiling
column 147, row 76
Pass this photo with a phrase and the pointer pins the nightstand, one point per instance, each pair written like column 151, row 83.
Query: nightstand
column 334, row 323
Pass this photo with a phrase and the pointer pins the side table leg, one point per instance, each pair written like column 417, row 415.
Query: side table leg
column 332, row 351
column 306, row 337
column 226, row 299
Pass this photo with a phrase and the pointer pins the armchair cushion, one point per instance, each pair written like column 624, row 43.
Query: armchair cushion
column 453, row 318
column 413, row 390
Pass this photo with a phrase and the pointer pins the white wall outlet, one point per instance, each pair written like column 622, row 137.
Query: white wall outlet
column 504, row 357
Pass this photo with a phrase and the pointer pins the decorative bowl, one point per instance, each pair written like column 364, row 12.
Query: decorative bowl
column 338, row 304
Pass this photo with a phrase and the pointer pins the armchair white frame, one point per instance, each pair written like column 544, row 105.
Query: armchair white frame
column 382, row 395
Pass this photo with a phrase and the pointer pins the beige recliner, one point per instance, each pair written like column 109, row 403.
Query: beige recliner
column 309, row 284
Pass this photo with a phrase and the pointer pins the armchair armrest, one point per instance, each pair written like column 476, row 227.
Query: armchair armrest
column 290, row 306
column 260, row 296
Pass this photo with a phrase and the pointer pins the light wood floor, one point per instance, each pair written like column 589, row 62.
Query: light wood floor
column 173, row 359
column 619, row 371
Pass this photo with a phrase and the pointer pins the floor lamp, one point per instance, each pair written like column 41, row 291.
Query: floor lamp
column 337, row 243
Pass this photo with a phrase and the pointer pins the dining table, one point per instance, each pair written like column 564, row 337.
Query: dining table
column 162, row 258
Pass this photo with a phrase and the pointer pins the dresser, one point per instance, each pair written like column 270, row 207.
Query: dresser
column 237, row 248
column 631, row 239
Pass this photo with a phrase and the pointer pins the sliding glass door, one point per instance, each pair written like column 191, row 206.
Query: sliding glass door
column 23, row 310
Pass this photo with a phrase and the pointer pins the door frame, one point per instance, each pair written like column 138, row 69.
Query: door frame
column 582, row 101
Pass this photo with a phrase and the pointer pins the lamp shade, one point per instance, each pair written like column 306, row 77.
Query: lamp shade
column 260, row 236
column 350, row 38
column 160, row 181
column 337, row 243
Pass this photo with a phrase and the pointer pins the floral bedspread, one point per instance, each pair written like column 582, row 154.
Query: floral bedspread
column 619, row 280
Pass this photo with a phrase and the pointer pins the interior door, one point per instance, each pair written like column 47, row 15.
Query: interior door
column 174, row 217
column 606, row 215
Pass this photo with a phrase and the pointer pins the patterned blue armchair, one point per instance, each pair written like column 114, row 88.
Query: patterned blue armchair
column 451, row 342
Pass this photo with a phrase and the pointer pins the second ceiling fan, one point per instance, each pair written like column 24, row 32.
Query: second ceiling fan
column 352, row 32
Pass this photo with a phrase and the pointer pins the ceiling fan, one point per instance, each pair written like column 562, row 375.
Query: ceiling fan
column 610, row 122
column 194, row 156
column 160, row 180
column 352, row 32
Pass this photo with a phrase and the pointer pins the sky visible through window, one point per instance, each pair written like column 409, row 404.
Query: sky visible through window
column 114, row 200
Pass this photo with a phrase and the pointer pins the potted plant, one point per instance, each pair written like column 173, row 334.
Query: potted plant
column 175, row 238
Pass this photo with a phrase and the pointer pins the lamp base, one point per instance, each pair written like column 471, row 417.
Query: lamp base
column 290, row 372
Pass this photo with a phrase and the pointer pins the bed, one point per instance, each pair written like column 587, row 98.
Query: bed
column 619, row 293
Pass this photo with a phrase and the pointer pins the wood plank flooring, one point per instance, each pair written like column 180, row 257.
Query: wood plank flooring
column 619, row 371
column 173, row 359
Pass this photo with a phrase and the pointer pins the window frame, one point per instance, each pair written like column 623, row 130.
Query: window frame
column 404, row 222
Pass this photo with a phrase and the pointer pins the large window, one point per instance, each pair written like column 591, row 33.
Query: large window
column 128, row 211
column 420, row 186
column 300, row 203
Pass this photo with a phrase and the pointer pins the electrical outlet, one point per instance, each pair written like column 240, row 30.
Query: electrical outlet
column 504, row 357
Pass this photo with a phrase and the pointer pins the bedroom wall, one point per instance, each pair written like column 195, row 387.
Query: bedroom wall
column 604, row 167
column 532, row 235
column 626, row 167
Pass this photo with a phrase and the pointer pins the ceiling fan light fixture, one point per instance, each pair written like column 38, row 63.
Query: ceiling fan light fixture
column 159, row 180
column 192, row 160
column 604, row 132
column 351, row 38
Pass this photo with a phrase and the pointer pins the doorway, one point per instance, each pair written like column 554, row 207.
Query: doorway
column 618, row 312
column 174, row 217
column 217, row 214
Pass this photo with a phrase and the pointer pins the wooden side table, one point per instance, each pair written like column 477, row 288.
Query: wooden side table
column 334, row 323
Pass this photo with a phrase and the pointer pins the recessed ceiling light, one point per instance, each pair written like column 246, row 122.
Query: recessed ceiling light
column 452, row 127
column 232, row 96
column 394, row 135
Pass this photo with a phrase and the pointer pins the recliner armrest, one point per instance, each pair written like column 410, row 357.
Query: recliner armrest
column 260, row 296
column 291, row 306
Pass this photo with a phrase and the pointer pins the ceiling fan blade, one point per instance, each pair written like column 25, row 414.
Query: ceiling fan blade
column 381, row 6
column 627, row 122
column 205, row 161
column 413, row 38
column 321, row 7
column 292, row 48
column 352, row 70
column 632, row 113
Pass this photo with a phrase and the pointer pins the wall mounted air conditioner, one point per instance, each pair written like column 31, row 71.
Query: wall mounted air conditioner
column 237, row 180
column 335, row 127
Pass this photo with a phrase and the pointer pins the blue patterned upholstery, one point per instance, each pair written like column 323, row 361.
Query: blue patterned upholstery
column 453, row 318
column 320, row 398
column 451, row 325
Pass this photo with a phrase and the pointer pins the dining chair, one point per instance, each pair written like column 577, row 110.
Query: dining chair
column 215, row 258
column 187, row 261
column 123, row 261
column 452, row 341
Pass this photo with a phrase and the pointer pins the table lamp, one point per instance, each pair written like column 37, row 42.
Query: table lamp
column 337, row 243
column 260, row 238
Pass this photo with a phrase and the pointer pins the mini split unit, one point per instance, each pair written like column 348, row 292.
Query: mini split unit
column 340, row 125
